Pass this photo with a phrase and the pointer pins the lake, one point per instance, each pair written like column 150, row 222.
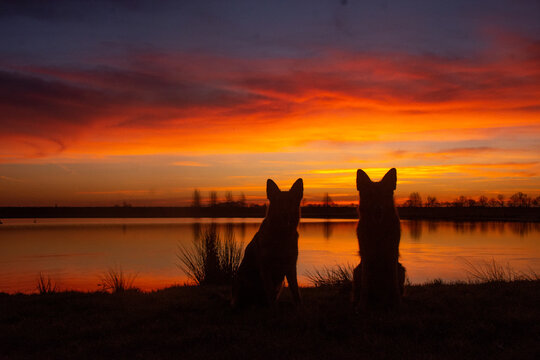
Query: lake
column 76, row 252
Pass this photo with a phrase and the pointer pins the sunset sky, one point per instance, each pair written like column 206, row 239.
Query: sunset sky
column 109, row 101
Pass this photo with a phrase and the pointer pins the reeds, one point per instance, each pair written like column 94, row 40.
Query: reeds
column 339, row 275
column 115, row 281
column 492, row 271
column 45, row 285
column 211, row 260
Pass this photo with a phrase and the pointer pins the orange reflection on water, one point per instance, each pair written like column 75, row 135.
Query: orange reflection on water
column 76, row 252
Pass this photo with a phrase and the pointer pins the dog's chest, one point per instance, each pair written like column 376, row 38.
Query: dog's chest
column 278, row 244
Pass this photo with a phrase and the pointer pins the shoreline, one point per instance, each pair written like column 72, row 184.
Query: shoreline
column 406, row 213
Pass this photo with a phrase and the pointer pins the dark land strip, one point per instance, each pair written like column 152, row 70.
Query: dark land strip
column 530, row 214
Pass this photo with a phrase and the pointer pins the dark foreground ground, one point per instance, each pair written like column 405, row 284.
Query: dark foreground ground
column 436, row 321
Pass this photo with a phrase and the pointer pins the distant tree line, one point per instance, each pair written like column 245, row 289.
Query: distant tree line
column 230, row 201
column 519, row 199
column 213, row 200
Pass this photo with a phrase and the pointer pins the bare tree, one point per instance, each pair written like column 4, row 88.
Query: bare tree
column 483, row 201
column 415, row 200
column 520, row 199
column 213, row 198
column 196, row 199
column 432, row 201
column 500, row 198
column 327, row 200
column 461, row 201
column 242, row 201
column 229, row 198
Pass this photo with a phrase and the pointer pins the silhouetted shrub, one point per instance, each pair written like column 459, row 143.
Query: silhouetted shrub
column 115, row 281
column 211, row 260
column 45, row 285
column 339, row 275
column 492, row 271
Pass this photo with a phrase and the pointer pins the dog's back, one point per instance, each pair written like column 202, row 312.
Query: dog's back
column 379, row 279
column 272, row 254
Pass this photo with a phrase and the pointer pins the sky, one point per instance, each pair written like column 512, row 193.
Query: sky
column 105, row 102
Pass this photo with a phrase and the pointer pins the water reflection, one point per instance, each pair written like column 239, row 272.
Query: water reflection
column 415, row 228
column 432, row 226
column 74, row 252
column 459, row 227
column 242, row 228
column 524, row 229
column 229, row 231
column 327, row 230
column 483, row 227
column 197, row 233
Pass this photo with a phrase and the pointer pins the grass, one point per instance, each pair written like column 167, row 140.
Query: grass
column 483, row 272
column 114, row 280
column 491, row 316
column 448, row 321
column 339, row 275
column 492, row 271
column 45, row 285
column 211, row 260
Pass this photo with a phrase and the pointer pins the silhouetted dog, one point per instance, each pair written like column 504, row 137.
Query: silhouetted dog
column 273, row 252
column 379, row 278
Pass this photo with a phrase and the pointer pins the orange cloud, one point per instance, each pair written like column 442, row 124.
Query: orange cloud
column 430, row 116
column 189, row 163
column 115, row 192
column 419, row 172
column 194, row 102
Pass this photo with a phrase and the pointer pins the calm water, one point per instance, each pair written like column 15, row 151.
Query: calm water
column 75, row 252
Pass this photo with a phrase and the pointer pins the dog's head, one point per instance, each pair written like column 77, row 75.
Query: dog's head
column 284, row 206
column 376, row 197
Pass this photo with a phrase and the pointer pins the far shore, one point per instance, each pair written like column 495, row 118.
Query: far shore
column 520, row 214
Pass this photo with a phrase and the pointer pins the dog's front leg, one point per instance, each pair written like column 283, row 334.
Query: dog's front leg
column 293, row 284
column 268, row 285
column 357, row 284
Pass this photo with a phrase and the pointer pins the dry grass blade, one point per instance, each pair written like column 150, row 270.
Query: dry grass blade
column 192, row 261
column 45, row 285
column 230, row 256
column 210, row 260
column 492, row 271
column 114, row 280
column 338, row 275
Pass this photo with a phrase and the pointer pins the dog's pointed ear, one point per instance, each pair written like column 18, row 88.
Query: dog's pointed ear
column 271, row 189
column 362, row 179
column 297, row 190
column 390, row 179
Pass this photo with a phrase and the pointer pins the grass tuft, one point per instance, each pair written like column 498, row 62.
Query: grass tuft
column 339, row 275
column 45, row 285
column 434, row 282
column 115, row 281
column 492, row 271
column 211, row 260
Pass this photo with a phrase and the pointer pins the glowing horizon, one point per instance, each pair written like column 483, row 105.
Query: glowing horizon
column 98, row 119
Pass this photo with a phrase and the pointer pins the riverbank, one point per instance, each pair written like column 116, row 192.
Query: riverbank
column 498, row 320
column 531, row 214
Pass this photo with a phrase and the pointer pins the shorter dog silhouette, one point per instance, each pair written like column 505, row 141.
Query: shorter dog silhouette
column 379, row 279
column 272, row 253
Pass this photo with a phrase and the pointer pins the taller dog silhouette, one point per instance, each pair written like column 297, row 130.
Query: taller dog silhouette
column 379, row 278
column 272, row 253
